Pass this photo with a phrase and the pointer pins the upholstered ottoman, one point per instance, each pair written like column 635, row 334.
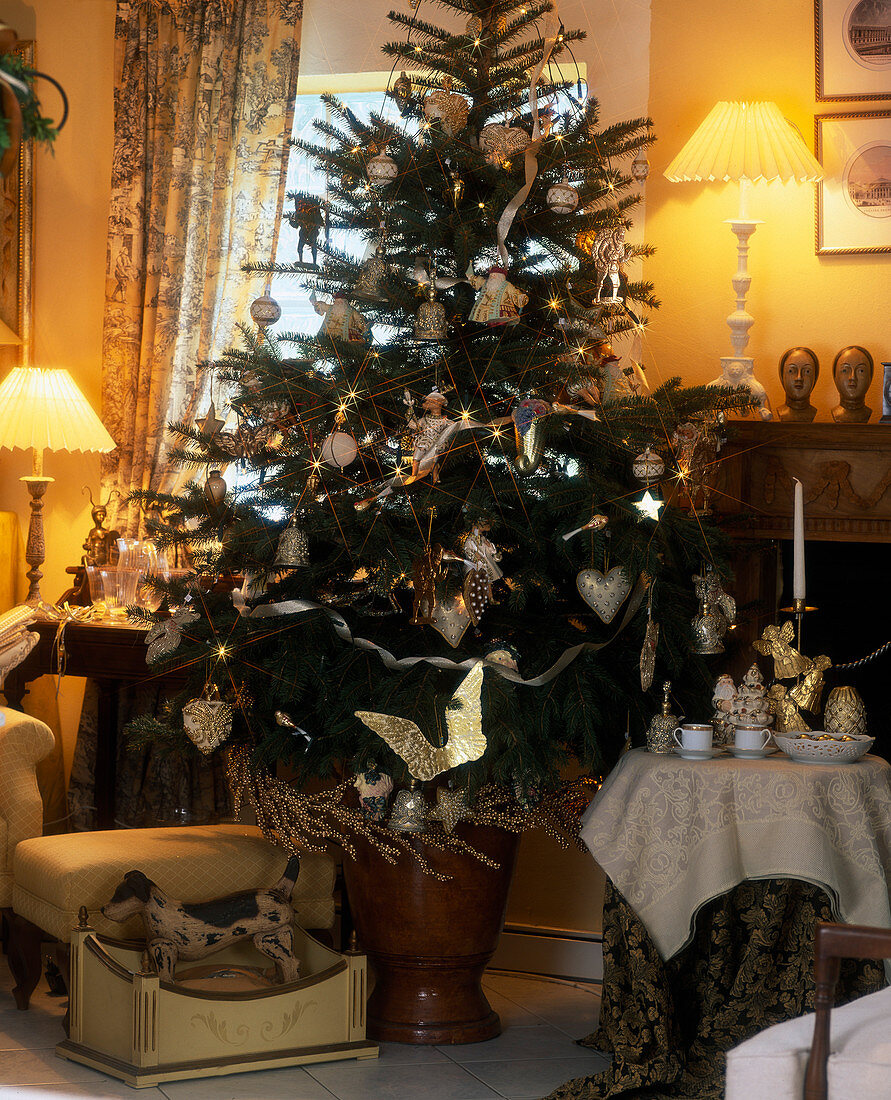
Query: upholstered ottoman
column 56, row 875
column 772, row 1063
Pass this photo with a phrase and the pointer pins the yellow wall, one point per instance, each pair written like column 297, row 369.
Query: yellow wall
column 700, row 54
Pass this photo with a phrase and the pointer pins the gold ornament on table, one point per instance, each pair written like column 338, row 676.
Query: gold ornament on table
column 660, row 734
column 207, row 722
column 464, row 722
column 845, row 713
column 788, row 716
column 788, row 663
column 722, row 700
column 451, row 807
column 450, row 108
column 809, row 689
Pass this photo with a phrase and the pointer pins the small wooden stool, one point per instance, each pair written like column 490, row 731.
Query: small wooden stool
column 55, row 875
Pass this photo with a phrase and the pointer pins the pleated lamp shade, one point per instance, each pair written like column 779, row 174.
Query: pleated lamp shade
column 44, row 409
column 745, row 141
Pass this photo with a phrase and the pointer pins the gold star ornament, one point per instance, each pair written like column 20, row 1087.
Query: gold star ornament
column 451, row 807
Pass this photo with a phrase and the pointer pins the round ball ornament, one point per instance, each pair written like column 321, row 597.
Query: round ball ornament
column 382, row 170
column 500, row 144
column 648, row 466
column 563, row 198
column 339, row 449
column 265, row 310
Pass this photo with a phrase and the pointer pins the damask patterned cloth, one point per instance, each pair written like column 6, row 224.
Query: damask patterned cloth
column 672, row 834
column 24, row 741
column 668, row 1025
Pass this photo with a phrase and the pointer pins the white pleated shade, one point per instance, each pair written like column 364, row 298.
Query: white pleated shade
column 45, row 409
column 7, row 336
column 745, row 141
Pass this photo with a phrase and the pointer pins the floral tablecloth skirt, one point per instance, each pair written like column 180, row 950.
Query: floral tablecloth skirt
column 667, row 1025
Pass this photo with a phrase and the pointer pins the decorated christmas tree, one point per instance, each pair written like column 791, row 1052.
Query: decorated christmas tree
column 442, row 545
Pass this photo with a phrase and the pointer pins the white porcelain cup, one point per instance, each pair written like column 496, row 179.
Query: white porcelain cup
column 693, row 736
column 751, row 738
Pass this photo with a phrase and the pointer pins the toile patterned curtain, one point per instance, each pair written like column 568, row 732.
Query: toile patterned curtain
column 204, row 93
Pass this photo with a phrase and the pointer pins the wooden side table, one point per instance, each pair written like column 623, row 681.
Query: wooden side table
column 114, row 656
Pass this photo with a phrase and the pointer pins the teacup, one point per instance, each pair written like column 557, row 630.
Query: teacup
column 694, row 736
column 751, row 738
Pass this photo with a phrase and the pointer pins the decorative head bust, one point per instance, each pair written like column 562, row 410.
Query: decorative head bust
column 799, row 371
column 852, row 371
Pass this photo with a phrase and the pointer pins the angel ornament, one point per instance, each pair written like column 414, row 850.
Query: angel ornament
column 341, row 321
column 607, row 252
column 787, row 661
column 809, row 689
column 788, row 716
column 498, row 301
column 481, row 557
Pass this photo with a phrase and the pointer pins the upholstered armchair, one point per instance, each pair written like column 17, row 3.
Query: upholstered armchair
column 24, row 742
column 826, row 1055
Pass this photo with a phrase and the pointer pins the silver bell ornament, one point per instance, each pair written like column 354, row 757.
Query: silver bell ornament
column 648, row 466
column 409, row 813
column 562, row 198
column 265, row 311
column 372, row 276
column 430, row 322
column 709, row 628
column 382, row 170
column 660, row 735
column 293, row 547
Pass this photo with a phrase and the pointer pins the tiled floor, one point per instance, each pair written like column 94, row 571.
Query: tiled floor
column 534, row 1054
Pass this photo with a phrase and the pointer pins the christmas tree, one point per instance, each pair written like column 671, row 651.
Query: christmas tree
column 481, row 485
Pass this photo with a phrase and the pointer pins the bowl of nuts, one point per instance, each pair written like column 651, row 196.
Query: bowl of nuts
column 817, row 747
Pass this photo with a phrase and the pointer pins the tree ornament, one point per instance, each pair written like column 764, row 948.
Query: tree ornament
column 473, row 29
column 402, row 92
column 454, row 192
column 660, row 733
column 215, row 490
column 265, row 311
column 428, row 571
column 341, row 320
column 498, row 301
column 306, row 218
column 788, row 663
column 409, row 811
column 451, row 807
column 648, row 466
column 164, row 637
column 640, row 166
column 433, row 432
column 464, row 725
column 709, row 628
column 349, row 181
column 530, row 417
column 207, row 722
column 374, row 789
column 293, row 547
column 430, row 322
column 372, row 277
column 563, row 198
column 607, row 252
column 707, row 586
column 339, row 449
column 722, row 701
column 382, row 170
column 500, row 144
column 618, row 382
column 450, row 108
column 650, row 642
column 597, row 522
column 450, row 619
column 845, row 713
column 749, row 705
column 210, row 424
column 481, row 569
column 604, row 593
column 809, row 689
column 287, row 723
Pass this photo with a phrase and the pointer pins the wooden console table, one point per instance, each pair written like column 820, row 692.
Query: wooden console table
column 114, row 656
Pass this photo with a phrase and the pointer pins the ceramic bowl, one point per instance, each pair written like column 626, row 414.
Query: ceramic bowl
column 822, row 748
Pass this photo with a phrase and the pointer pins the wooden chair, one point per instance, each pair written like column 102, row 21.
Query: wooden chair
column 832, row 943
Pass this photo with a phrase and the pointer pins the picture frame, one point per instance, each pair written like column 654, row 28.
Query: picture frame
column 853, row 200
column 17, row 247
column 852, row 45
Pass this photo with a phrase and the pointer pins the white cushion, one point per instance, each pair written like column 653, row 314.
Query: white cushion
column 773, row 1062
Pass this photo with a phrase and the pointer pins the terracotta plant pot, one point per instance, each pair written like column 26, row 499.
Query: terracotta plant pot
column 428, row 941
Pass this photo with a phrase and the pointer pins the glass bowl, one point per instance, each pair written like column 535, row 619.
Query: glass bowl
column 818, row 747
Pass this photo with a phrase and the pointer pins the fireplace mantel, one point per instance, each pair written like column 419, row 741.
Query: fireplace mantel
column 845, row 470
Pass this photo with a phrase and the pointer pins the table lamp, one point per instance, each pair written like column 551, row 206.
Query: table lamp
column 44, row 410
column 747, row 142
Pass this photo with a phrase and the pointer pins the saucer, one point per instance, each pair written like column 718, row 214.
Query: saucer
column 697, row 754
column 752, row 754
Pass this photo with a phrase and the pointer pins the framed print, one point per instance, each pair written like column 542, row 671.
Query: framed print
column 854, row 196
column 16, row 244
column 853, row 49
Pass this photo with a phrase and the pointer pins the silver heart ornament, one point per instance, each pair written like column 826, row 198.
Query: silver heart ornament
column 450, row 620
column 604, row 593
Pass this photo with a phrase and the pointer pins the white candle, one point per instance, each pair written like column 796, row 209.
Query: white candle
column 798, row 543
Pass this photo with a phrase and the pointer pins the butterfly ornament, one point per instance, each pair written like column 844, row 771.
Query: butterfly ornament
column 464, row 722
